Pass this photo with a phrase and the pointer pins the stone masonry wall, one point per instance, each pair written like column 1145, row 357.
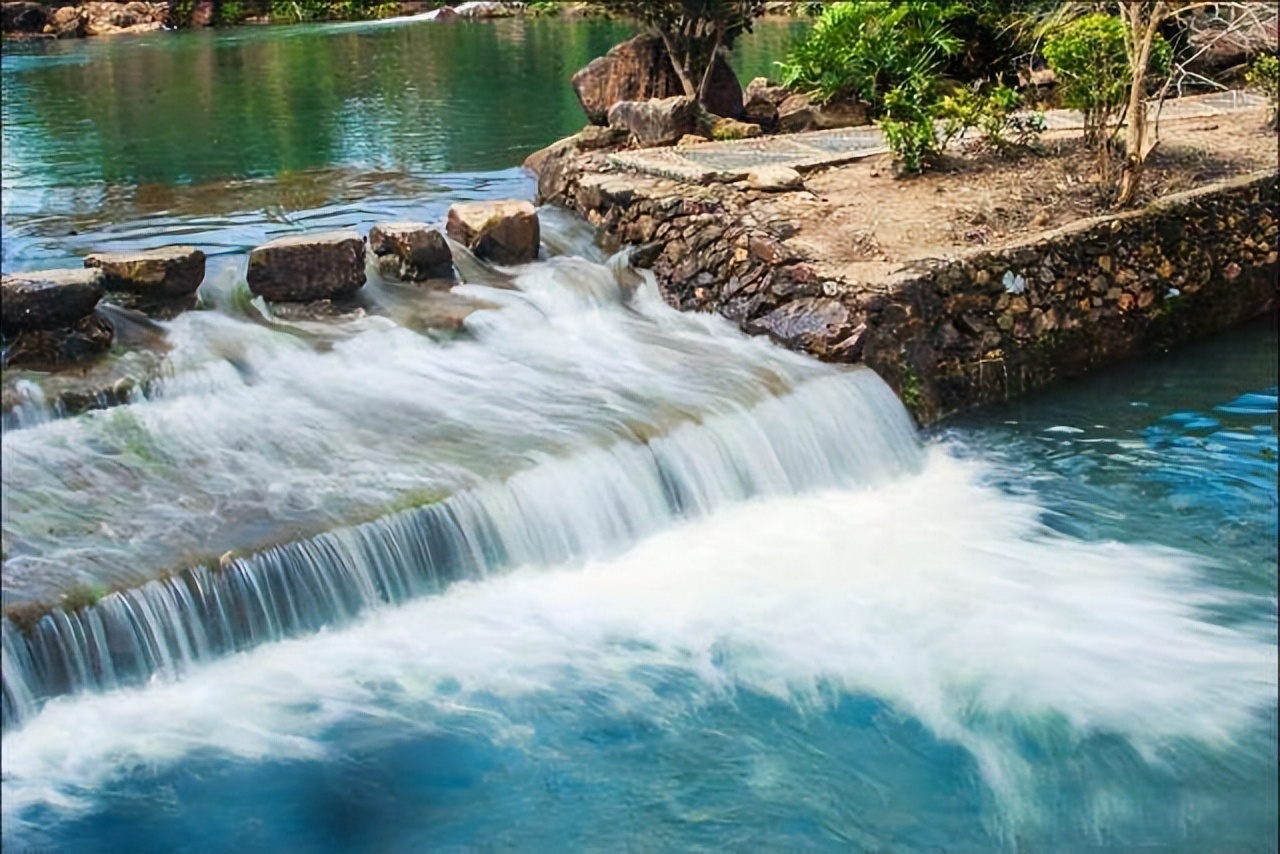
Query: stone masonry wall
column 953, row 333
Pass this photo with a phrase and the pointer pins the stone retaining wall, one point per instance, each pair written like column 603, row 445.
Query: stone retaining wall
column 953, row 333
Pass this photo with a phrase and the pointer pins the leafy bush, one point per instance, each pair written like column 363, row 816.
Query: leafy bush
column 1264, row 76
column 866, row 49
column 908, row 123
column 1088, row 59
column 548, row 8
column 993, row 113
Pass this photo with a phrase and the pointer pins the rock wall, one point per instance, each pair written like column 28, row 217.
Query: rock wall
column 951, row 333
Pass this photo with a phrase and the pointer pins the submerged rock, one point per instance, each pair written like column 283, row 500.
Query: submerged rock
column 657, row 122
column 174, row 272
column 640, row 69
column 824, row 327
column 49, row 299
column 87, row 337
column 307, row 267
column 502, row 232
column 411, row 251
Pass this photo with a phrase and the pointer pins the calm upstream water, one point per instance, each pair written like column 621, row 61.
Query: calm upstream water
column 586, row 574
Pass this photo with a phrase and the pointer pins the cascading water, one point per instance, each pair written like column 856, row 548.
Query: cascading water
column 696, row 533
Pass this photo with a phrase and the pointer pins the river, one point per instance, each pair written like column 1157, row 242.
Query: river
column 584, row 573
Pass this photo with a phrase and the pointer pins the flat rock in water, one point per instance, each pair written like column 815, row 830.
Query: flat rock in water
column 306, row 267
column 411, row 251
column 49, row 299
column 168, row 273
column 503, row 232
column 774, row 179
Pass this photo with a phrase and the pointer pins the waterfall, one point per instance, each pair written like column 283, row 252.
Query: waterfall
column 845, row 429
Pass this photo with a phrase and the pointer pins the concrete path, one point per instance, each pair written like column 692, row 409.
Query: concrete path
column 731, row 161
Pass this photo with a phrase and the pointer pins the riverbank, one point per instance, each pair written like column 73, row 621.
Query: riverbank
column 77, row 19
column 31, row 19
column 984, row 279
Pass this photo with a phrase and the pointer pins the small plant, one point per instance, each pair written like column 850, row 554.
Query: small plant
column 549, row 8
column 908, row 124
column 994, row 114
column 82, row 596
column 912, row 398
column 1263, row 76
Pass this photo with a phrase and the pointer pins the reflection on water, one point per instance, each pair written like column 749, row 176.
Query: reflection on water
column 221, row 139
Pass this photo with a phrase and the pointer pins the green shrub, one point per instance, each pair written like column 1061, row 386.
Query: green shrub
column 866, row 49
column 993, row 113
column 908, row 123
column 1264, row 76
column 1088, row 59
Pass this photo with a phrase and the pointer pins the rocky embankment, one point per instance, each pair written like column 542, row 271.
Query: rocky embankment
column 748, row 240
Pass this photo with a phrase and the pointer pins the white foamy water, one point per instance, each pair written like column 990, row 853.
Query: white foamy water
column 944, row 598
column 259, row 434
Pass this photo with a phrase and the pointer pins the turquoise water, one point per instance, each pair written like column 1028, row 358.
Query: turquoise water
column 718, row 598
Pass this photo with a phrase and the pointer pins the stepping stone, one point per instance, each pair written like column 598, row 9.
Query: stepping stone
column 49, row 299
column 305, row 267
column 501, row 232
column 169, row 273
column 411, row 251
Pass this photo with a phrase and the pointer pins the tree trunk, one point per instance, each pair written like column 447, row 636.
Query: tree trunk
column 1141, row 20
column 686, row 82
column 711, row 64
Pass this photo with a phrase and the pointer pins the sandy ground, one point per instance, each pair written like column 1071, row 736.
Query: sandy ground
column 863, row 223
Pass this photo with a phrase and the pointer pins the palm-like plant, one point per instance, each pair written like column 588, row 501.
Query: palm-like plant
column 865, row 50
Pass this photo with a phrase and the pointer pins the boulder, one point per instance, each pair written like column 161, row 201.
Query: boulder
column 798, row 113
column 169, row 273
column 411, row 251
column 551, row 166
column 595, row 137
column 51, row 299
column 774, row 178
column 502, row 232
column 658, row 122
column 68, row 22
column 733, row 129
column 760, row 102
column 23, row 17
column 640, row 69
column 306, row 267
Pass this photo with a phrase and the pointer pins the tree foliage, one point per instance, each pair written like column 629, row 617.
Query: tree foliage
column 694, row 31
column 1089, row 60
